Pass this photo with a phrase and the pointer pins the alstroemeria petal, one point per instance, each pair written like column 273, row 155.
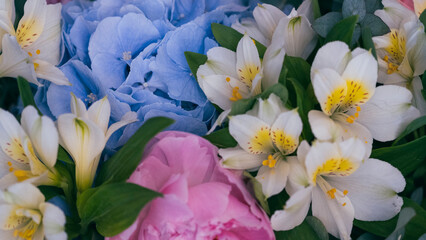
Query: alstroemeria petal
column 51, row 73
column 418, row 100
column 221, row 61
column 322, row 158
column 373, row 190
column 286, row 130
column 334, row 55
column 388, row 112
column 127, row 118
column 337, row 217
column 330, row 89
column 393, row 13
column 269, row 109
column 323, row 127
column 251, row 133
column 273, row 179
column 24, row 195
column 295, row 210
column 99, row 112
column 31, row 24
column 360, row 76
column 248, row 61
column 53, row 222
column 43, row 135
column 78, row 108
column 8, row 219
column 249, row 26
column 237, row 158
column 273, row 61
column 14, row 62
column 267, row 18
column 297, row 178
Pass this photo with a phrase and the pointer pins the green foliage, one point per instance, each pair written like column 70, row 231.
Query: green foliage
column 422, row 18
column 26, row 93
column 228, row 38
column 120, row 166
column 195, row 60
column 367, row 41
column 113, row 207
column 221, row 138
column 354, row 7
column 258, row 192
column 324, row 24
column 310, row 229
column 343, row 30
column 414, row 125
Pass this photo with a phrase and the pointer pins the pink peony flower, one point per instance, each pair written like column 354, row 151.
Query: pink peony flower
column 201, row 199
column 57, row 1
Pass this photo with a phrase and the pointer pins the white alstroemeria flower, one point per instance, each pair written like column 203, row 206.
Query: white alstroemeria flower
column 345, row 86
column 294, row 31
column 28, row 152
column 393, row 13
column 265, row 135
column 39, row 36
column 341, row 187
column 24, row 214
column 84, row 133
column 419, row 7
column 228, row 76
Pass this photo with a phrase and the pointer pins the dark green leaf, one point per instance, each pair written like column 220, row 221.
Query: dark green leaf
column 50, row 191
column 298, row 69
column 369, row 236
column 353, row 7
column 406, row 157
column 376, row 25
column 343, row 30
column 404, row 217
column 221, row 138
column 302, row 232
column 19, row 10
column 316, row 9
column 228, row 38
column 367, row 41
column 304, row 104
column 26, row 93
column 120, row 166
column 63, row 156
column 114, row 207
column 372, row 5
column 356, row 35
column 195, row 60
column 324, row 24
column 242, row 106
column 424, row 84
column 258, row 192
column 414, row 125
column 422, row 18
column 318, row 227
column 72, row 228
column 417, row 195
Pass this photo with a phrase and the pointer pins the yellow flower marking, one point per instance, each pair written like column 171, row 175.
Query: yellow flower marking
column 248, row 73
column 285, row 142
column 341, row 167
column 15, row 151
column 357, row 94
column 396, row 51
column 334, row 100
column 28, row 32
column 261, row 142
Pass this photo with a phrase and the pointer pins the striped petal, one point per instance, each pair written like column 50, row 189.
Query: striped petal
column 286, row 130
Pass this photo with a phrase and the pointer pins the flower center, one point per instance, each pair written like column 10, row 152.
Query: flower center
column 248, row 73
column 236, row 95
column 28, row 32
column 396, row 51
column 334, row 167
column 332, row 192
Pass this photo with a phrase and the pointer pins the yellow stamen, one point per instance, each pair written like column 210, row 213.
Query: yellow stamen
column 358, row 108
column 350, row 119
column 270, row 162
column 36, row 65
column 21, row 175
column 235, row 94
column 356, row 115
column 331, row 193
column 30, row 54
column 9, row 164
column 38, row 51
column 345, row 192
column 344, row 204
column 11, row 169
column 228, row 79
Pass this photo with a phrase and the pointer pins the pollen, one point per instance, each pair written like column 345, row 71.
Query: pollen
column 228, row 79
column 345, row 192
column 236, row 95
column 36, row 65
column 270, row 162
column 350, row 119
column 344, row 204
column 331, row 193
column 9, row 164
column 11, row 169
column 38, row 51
column 30, row 54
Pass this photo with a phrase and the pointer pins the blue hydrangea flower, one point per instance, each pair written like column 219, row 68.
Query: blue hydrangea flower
column 133, row 52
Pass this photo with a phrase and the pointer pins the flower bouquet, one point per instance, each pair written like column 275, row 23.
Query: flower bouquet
column 212, row 119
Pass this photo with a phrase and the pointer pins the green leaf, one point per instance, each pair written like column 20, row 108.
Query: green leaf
column 422, row 18
column 413, row 230
column 414, row 125
column 298, row 69
column 50, row 191
column 324, row 24
column 114, row 207
column 404, row 217
column 120, row 166
column 372, row 5
column 221, row 138
column 343, row 30
column 195, row 60
column 19, row 10
column 318, row 227
column 376, row 25
column 304, row 105
column 26, row 93
column 367, row 41
column 424, row 85
column 302, row 232
column 258, row 192
column 228, row 38
column 407, row 157
column 354, row 7
column 316, row 9
column 63, row 156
